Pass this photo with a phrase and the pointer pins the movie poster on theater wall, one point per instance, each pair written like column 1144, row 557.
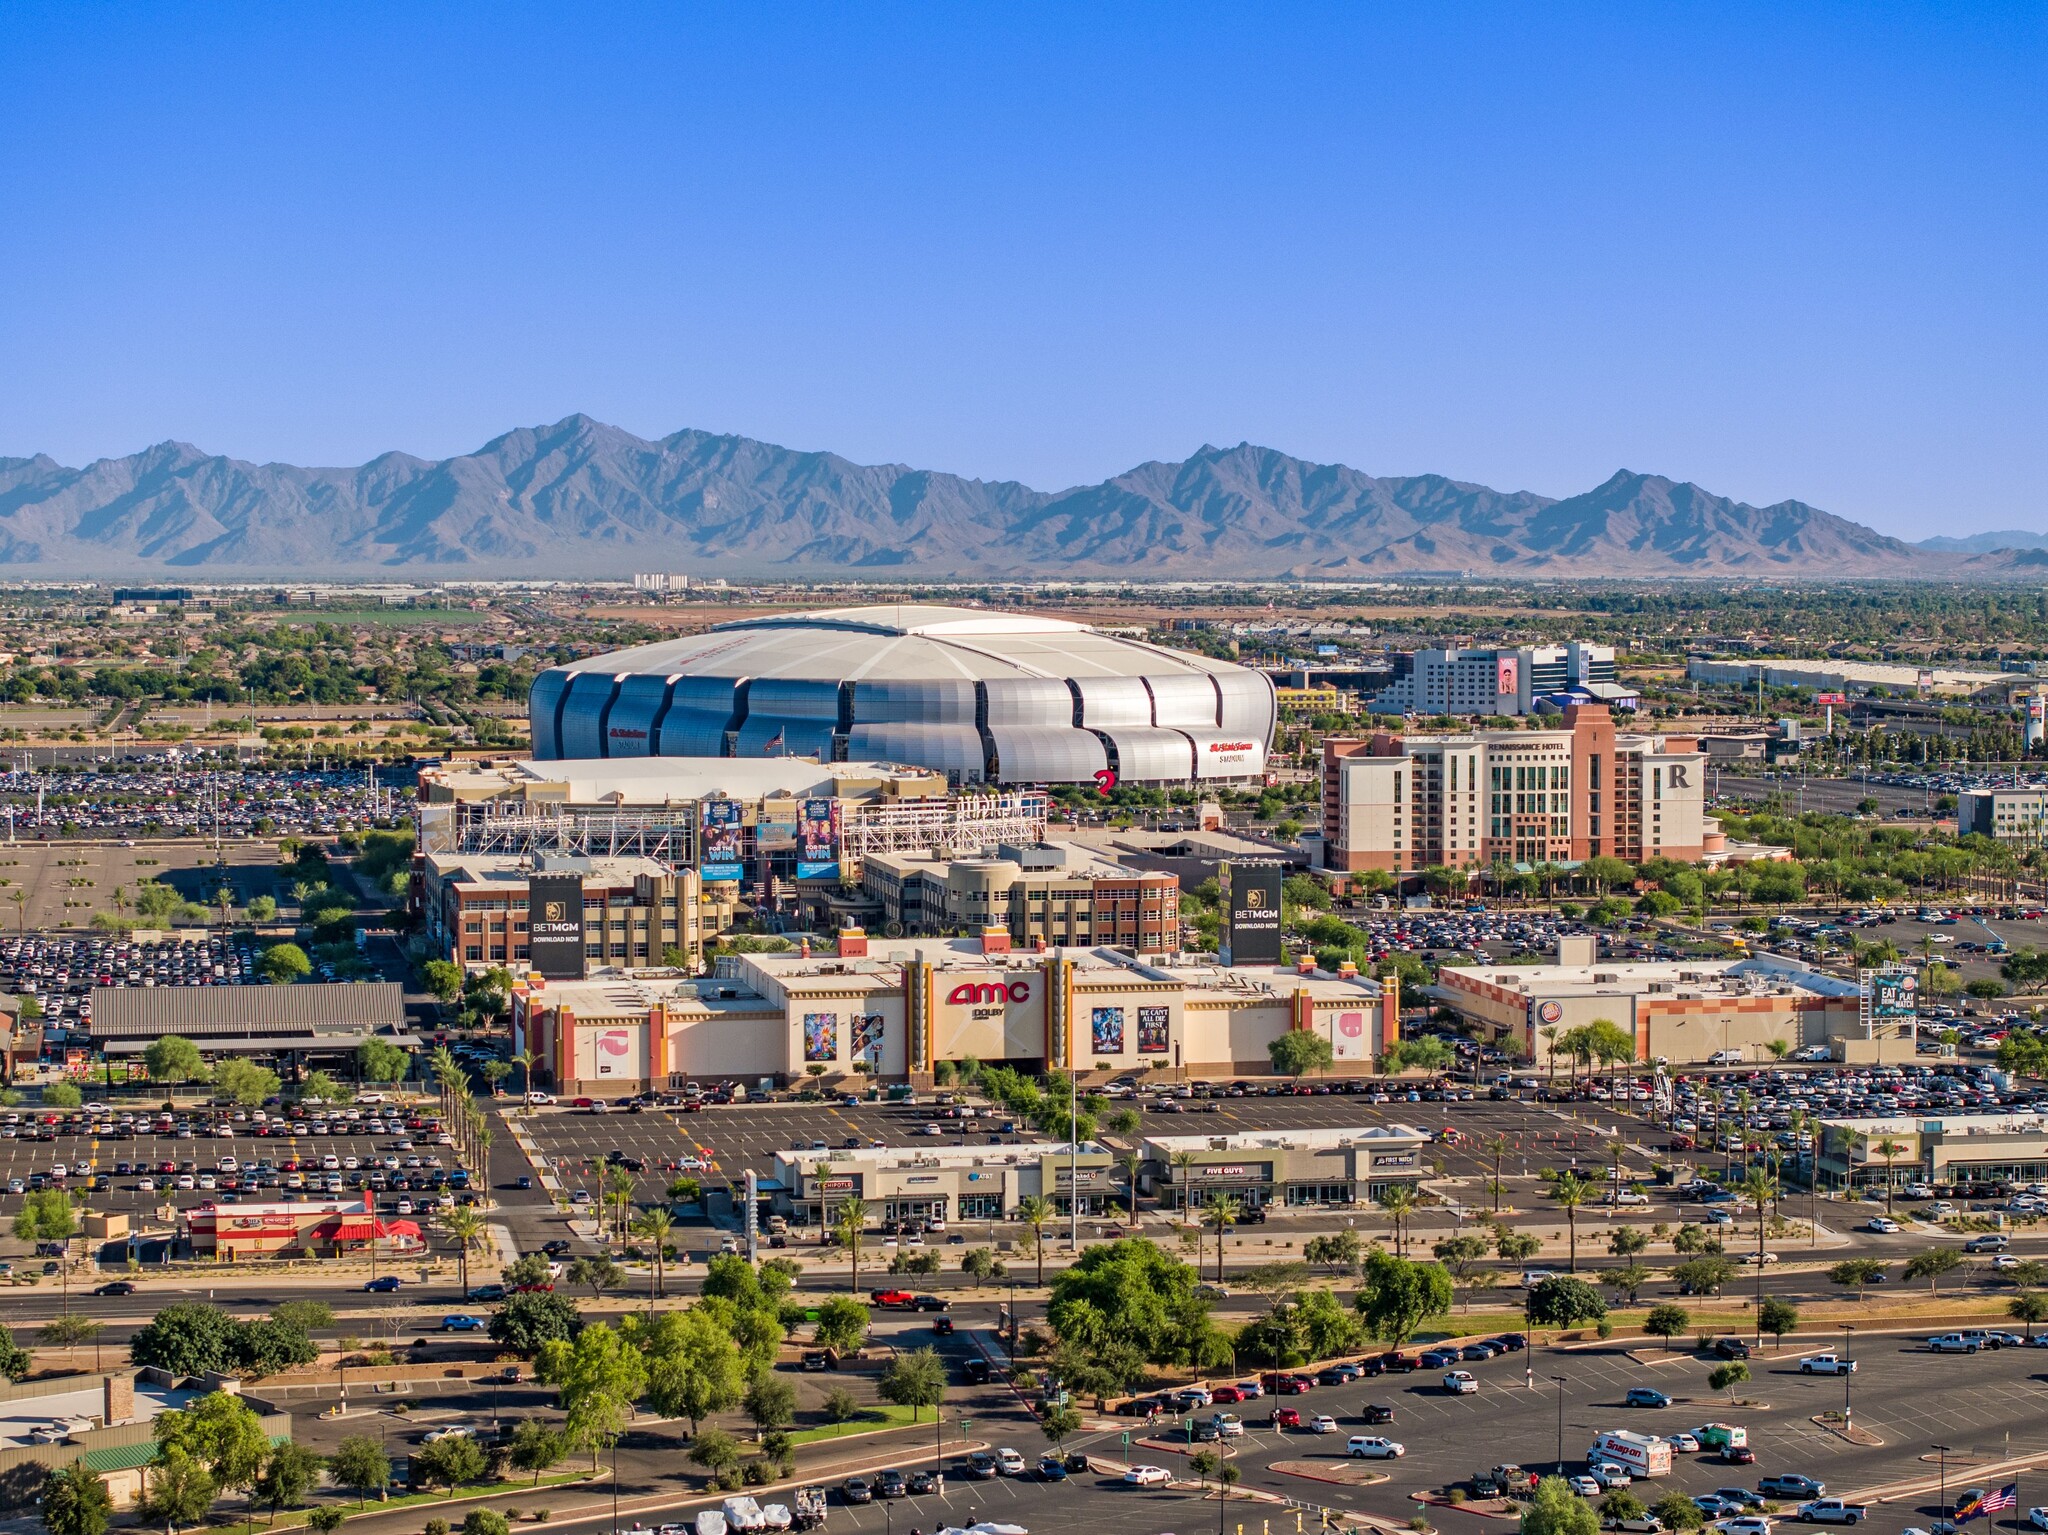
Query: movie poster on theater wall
column 867, row 1039
column 821, row 1037
column 1106, row 1030
column 1349, row 1039
column 1154, row 1030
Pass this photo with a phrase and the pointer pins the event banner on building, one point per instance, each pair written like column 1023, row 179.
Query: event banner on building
column 1154, row 1028
column 817, row 839
column 1253, row 895
column 554, row 925
column 1894, row 996
column 1106, row 1030
column 720, row 854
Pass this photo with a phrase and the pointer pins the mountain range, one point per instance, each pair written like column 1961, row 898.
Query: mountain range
column 583, row 499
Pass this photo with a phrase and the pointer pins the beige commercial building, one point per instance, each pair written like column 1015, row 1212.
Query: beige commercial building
column 636, row 912
column 947, row 1184
column 894, row 1009
column 1050, row 894
column 1683, row 1012
column 1299, row 1169
column 1934, row 1148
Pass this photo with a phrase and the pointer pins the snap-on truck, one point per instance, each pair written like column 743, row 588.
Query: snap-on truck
column 1638, row 1454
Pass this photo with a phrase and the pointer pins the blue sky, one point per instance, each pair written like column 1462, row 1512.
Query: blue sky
column 1784, row 251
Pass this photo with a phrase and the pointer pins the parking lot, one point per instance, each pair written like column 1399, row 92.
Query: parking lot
column 64, row 885
column 164, row 796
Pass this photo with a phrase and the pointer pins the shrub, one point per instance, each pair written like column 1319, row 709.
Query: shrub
column 437, row 1527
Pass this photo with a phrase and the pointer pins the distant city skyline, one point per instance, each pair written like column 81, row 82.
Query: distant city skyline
column 1780, row 254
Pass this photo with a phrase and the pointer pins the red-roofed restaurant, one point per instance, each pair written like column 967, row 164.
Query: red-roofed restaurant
column 307, row 1228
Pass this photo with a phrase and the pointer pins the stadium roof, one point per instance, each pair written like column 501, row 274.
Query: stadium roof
column 907, row 642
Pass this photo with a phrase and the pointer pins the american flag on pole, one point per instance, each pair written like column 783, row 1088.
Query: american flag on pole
column 2006, row 1497
column 774, row 742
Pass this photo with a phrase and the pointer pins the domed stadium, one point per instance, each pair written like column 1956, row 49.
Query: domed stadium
column 983, row 697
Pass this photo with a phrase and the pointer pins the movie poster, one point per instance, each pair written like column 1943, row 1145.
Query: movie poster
column 1348, row 1041
column 1108, row 1030
column 1153, row 1028
column 821, row 1037
column 867, row 1039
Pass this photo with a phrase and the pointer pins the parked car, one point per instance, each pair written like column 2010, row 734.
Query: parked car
column 1372, row 1447
column 1147, row 1476
column 1644, row 1396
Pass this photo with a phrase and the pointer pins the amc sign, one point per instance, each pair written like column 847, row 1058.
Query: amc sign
column 988, row 993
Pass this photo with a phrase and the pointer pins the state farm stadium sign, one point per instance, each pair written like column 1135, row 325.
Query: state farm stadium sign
column 1226, row 753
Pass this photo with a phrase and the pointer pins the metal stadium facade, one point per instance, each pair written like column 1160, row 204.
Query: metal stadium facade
column 983, row 697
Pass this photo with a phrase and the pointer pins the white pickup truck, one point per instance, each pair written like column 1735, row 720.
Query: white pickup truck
column 1827, row 1364
column 1832, row 1511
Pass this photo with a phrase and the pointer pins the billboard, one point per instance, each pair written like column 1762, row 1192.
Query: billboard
column 867, row 1038
column 719, row 855
column 554, row 925
column 817, row 839
column 1348, row 1038
column 1106, row 1030
column 1835, row 699
column 1894, row 996
column 821, row 1037
column 776, row 830
column 1154, row 1028
column 1252, row 913
column 1506, row 670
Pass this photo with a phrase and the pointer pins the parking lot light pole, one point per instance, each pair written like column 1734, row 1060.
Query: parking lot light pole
column 1941, row 1453
column 1560, row 1423
column 1849, row 1369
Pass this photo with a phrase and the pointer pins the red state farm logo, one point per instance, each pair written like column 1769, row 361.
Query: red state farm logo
column 1233, row 746
column 987, row 993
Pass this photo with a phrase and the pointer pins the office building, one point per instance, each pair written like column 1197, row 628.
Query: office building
column 1408, row 802
column 1495, row 680
column 1048, row 895
column 636, row 912
column 2010, row 815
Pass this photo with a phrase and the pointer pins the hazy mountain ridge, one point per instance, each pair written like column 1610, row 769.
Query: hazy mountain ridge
column 580, row 498
column 1986, row 543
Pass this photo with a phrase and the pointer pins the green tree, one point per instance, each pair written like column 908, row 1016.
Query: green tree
column 76, row 1502
column 1627, row 1280
column 851, row 1229
column 1035, row 1212
column 982, row 1265
column 1562, row 1301
column 599, row 1376
column 695, row 1366
column 176, row 1490
column 1515, row 1246
column 1704, row 1275
column 1396, row 1296
column 1727, row 1377
column 378, row 1060
column 1667, row 1322
column 262, row 908
column 1777, row 1317
column 1678, row 1512
column 1554, row 1509
column 528, row 1322
column 1133, row 1298
column 770, row 1402
column 1860, row 1272
column 842, row 1324
column 915, row 1379
column 361, row 1465
column 283, row 964
column 327, row 1518
column 1568, row 1191
column 485, row 1521
column 2029, row 1306
column 1398, row 1200
column 245, row 1082
column 442, row 979
column 1338, row 1250
column 1299, row 1052
column 290, row 1471
column 220, row 1431
column 716, row 1451
column 453, row 1462
column 62, row 1095
column 1627, row 1242
column 536, row 1446
column 173, row 1058
column 1932, row 1264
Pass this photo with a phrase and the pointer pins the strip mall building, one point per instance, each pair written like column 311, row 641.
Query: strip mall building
column 896, row 1009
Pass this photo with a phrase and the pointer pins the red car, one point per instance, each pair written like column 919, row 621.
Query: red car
column 1292, row 1385
column 1287, row 1417
column 892, row 1299
column 1227, row 1394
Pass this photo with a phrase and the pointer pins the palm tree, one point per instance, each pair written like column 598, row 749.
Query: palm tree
column 1759, row 1188
column 464, row 1226
column 654, row 1223
column 851, row 1226
column 1183, row 1163
column 1497, row 1148
column 618, row 1188
column 1129, row 1162
column 1570, row 1191
column 1888, row 1148
column 524, row 1060
column 1035, row 1212
column 1398, row 1200
column 1221, row 1212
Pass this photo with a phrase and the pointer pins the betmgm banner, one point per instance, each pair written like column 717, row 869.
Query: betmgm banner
column 1251, row 906
column 554, row 925
column 817, row 839
column 719, row 849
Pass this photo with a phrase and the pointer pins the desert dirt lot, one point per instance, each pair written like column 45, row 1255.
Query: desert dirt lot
column 65, row 884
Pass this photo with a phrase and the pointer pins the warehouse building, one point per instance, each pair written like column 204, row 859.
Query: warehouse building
column 1829, row 676
column 306, row 1024
column 894, row 1009
column 1683, row 1012
column 1294, row 1169
column 1407, row 802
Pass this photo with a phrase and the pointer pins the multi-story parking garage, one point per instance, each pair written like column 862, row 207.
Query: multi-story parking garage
column 982, row 697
